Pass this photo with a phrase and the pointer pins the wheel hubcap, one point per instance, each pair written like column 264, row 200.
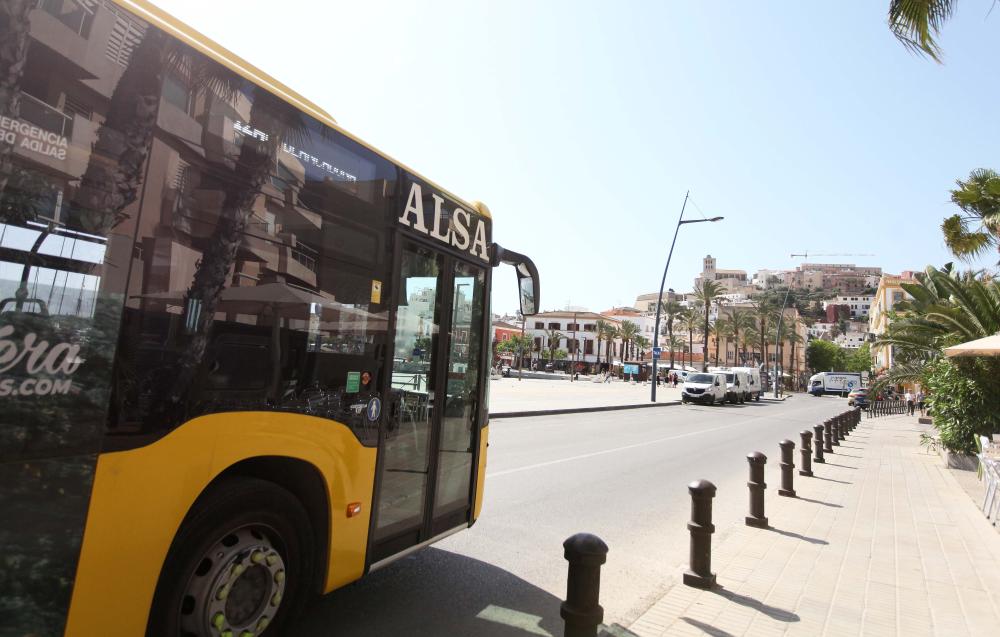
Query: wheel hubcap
column 237, row 587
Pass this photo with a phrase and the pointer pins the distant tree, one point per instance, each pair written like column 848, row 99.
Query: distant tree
column 822, row 356
column 517, row 345
column 857, row 360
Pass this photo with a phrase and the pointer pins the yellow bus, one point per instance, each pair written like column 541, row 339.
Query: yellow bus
column 244, row 356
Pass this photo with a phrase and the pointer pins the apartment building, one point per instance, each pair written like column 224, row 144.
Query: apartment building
column 889, row 294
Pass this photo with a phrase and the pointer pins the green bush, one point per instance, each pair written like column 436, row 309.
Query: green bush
column 964, row 399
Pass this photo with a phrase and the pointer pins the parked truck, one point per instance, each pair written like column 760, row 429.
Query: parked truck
column 840, row 383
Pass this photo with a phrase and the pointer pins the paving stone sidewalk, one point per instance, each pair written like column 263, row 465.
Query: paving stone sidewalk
column 883, row 541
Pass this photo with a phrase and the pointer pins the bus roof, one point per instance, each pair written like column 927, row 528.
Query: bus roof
column 168, row 23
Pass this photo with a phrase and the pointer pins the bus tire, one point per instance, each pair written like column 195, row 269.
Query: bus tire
column 238, row 537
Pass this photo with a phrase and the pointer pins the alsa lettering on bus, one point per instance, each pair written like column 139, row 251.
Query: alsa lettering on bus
column 456, row 233
column 32, row 138
column 38, row 357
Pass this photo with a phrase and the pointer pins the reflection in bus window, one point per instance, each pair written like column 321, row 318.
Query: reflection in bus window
column 407, row 438
column 459, row 415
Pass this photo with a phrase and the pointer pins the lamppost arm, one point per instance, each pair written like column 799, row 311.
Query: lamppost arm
column 659, row 298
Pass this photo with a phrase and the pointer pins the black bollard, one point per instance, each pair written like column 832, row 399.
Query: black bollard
column 818, row 450
column 828, row 436
column 581, row 610
column 757, row 485
column 806, row 453
column 842, row 426
column 787, row 468
column 835, row 432
column 700, row 574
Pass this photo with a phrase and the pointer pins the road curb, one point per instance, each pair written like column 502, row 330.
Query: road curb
column 577, row 410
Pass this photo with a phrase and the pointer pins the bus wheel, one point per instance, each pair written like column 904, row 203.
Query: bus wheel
column 242, row 562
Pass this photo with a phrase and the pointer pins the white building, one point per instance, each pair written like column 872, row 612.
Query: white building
column 860, row 305
column 851, row 340
column 578, row 334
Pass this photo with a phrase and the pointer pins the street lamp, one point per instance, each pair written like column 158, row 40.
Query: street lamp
column 659, row 299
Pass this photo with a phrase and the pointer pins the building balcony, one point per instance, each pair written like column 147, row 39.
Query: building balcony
column 70, row 152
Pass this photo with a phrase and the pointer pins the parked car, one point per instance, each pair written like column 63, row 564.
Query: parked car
column 858, row 397
column 704, row 388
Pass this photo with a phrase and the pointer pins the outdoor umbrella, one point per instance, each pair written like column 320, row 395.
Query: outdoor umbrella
column 989, row 346
column 278, row 299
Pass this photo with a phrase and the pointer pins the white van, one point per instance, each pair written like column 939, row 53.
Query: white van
column 754, row 387
column 738, row 380
column 708, row 388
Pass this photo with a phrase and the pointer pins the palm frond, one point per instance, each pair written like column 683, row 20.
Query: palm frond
column 900, row 373
column 917, row 23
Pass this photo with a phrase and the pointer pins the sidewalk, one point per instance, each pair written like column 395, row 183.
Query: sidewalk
column 883, row 541
column 508, row 395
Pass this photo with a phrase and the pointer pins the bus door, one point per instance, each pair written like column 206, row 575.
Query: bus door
column 427, row 442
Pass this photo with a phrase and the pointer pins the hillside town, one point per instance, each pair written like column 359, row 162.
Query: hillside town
column 766, row 319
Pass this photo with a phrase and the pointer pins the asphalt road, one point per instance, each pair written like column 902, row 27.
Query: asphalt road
column 621, row 475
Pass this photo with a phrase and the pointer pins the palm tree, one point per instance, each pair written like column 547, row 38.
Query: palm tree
column 611, row 334
column 916, row 23
column 643, row 344
column 721, row 329
column 115, row 170
column 629, row 331
column 794, row 339
column 739, row 322
column 13, row 53
column 689, row 319
column 706, row 295
column 671, row 310
column 763, row 312
column 971, row 235
column 946, row 309
column 677, row 343
column 750, row 341
column 601, row 328
column 553, row 336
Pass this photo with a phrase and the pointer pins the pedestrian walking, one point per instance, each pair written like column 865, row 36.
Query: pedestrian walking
column 920, row 401
column 909, row 402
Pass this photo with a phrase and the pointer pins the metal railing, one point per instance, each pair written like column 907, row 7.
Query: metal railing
column 45, row 115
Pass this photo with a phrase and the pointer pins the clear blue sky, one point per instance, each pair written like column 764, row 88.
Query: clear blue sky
column 581, row 124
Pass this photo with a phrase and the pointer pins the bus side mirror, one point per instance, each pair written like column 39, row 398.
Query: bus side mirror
column 527, row 277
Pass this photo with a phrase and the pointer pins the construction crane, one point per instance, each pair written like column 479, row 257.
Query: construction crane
column 833, row 254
